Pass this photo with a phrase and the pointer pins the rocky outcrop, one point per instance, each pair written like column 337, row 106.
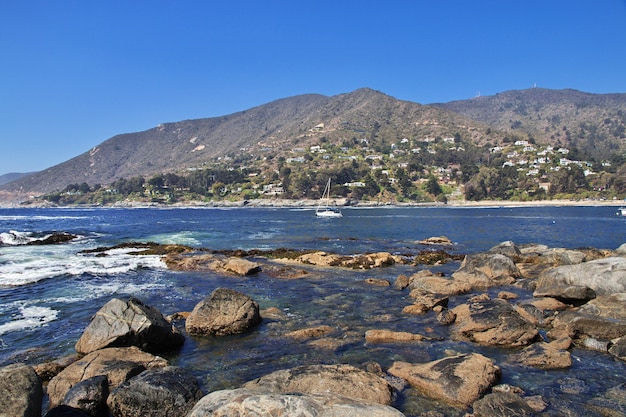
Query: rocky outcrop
column 436, row 284
column 436, row 240
column 222, row 313
column 164, row 392
column 362, row 261
column 118, row 364
column 129, row 323
column 493, row 323
column 553, row 355
column 243, row 402
column 211, row 262
column 604, row 276
column 458, row 380
column 486, row 270
column 342, row 380
column 21, row 391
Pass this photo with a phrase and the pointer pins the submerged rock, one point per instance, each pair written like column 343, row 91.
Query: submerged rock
column 222, row 313
column 129, row 323
column 458, row 380
column 543, row 355
column 502, row 404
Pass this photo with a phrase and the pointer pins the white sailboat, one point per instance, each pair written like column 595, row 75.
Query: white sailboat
column 324, row 209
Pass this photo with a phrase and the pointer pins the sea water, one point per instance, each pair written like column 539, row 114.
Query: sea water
column 49, row 292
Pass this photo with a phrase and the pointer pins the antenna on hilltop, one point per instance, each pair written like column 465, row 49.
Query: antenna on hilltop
column 477, row 94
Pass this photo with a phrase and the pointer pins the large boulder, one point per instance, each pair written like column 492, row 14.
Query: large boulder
column 243, row 402
column 89, row 396
column 605, row 276
column 164, row 392
column 486, row 270
column 493, row 323
column 222, row 313
column 343, row 380
column 21, row 391
column 458, row 380
column 118, row 364
column 129, row 323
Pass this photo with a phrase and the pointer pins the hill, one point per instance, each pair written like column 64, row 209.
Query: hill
column 516, row 144
column 12, row 176
column 594, row 124
column 273, row 129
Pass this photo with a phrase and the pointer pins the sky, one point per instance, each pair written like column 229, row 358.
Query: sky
column 74, row 73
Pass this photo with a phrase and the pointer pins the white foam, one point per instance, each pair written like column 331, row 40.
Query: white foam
column 30, row 318
column 27, row 265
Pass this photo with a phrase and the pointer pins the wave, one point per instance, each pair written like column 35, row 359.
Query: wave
column 22, row 266
column 30, row 318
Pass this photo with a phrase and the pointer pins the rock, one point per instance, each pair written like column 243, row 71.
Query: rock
column 493, row 323
column 502, row 404
column 549, row 304
column 401, row 282
column 617, row 347
column 21, row 391
column 547, row 355
column 610, row 306
column 458, row 380
column 486, row 270
column 371, row 260
column 224, row 312
column 66, row 411
column 309, row 333
column 343, row 380
column 578, row 325
column 428, row 299
column 388, row 336
column 446, row 317
column 49, row 370
column 242, row 267
column 321, row 259
column 507, row 248
column 605, row 276
column 436, row 284
column 507, row 295
column 165, row 392
column 569, row 294
column 243, row 402
column 378, row 282
column 118, row 364
column 436, row 240
column 621, row 250
column 129, row 323
column 90, row 396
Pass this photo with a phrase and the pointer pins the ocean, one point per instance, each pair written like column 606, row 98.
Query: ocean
column 49, row 292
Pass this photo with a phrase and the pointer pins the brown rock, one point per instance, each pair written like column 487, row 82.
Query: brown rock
column 222, row 313
column 241, row 266
column 436, row 240
column 547, row 355
column 502, row 404
column 436, row 284
column 493, row 323
column 486, row 270
column 118, row 364
column 458, row 380
column 343, row 380
column 388, row 336
column 309, row 333
column 378, row 282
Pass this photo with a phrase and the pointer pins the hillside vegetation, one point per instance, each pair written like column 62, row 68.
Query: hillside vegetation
column 530, row 144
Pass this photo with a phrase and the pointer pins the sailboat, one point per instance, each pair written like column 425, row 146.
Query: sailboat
column 324, row 209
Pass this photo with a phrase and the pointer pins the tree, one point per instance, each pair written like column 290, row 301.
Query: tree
column 432, row 186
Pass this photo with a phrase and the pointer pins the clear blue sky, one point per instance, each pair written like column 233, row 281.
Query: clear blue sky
column 74, row 73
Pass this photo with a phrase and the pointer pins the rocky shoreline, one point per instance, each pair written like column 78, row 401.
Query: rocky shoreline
column 576, row 299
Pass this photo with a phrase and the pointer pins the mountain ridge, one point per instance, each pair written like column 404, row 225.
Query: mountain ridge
column 592, row 122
